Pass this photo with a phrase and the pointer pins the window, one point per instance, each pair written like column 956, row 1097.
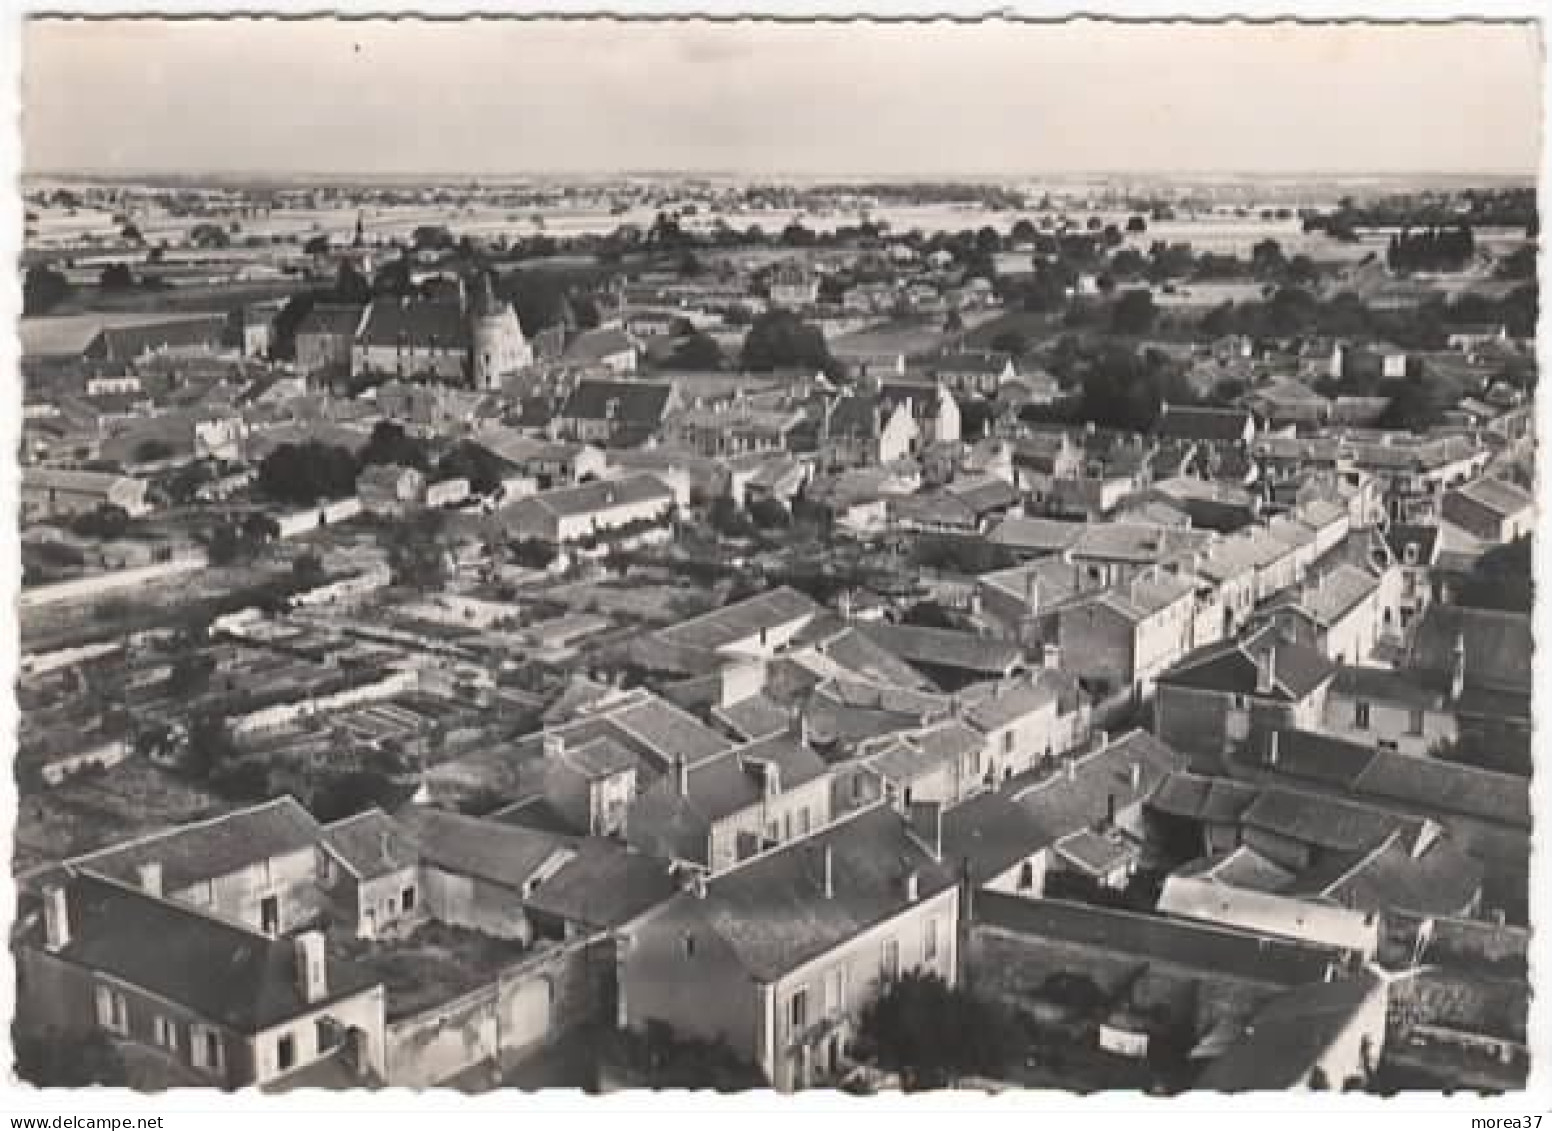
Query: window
column 837, row 994
column 269, row 915
column 1361, row 715
column 166, row 1034
column 407, row 900
column 1415, row 721
column 393, row 907
column 1007, row 743
column 1026, row 878
column 285, row 1052
column 891, row 966
column 689, row 946
column 112, row 1010
column 803, row 821
column 797, row 1011
column 930, row 942
column 204, row 1047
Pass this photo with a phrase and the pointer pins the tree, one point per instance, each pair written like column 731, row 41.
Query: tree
column 417, row 552
column 316, row 245
column 55, row 1059
column 727, row 520
column 152, row 450
column 432, row 237
column 779, row 339
column 466, row 460
column 129, row 233
column 307, row 568
column 351, row 286
column 390, row 444
column 103, row 521
column 306, row 472
column 1010, row 342
column 934, row 1034
column 1133, row 313
column 698, row 350
column 1502, row 578
column 43, row 289
column 769, row 514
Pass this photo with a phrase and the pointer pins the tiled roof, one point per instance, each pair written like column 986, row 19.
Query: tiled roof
column 414, row 323
column 205, row 850
column 1385, row 685
column 639, row 403
column 1331, row 596
column 503, row 854
column 945, row 647
column 1322, row 821
column 1498, row 645
column 1443, row 880
column 222, row 972
column 1215, row 424
column 1008, row 703
column 1223, row 951
column 332, row 319
column 1199, row 797
column 1289, row 1036
column 1233, row 668
column 1125, row 771
column 1497, row 495
column 604, row 886
column 773, row 912
column 1038, row 535
column 370, row 844
column 741, row 620
column 756, row 717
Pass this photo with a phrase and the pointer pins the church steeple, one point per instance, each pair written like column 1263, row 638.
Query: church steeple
column 360, row 240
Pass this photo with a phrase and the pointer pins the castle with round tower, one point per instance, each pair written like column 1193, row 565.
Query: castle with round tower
column 498, row 347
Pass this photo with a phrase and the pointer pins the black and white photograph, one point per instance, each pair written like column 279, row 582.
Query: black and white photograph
column 877, row 557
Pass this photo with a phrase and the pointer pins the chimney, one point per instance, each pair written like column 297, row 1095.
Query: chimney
column 829, row 873
column 1050, row 657
column 1134, row 776
column 1266, row 670
column 554, row 744
column 56, row 918
column 1458, row 667
column 912, row 886
column 149, row 876
column 1071, row 768
column 681, row 769
column 1032, row 590
column 1271, row 748
column 312, row 974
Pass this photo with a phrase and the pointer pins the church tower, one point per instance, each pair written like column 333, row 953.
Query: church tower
column 499, row 346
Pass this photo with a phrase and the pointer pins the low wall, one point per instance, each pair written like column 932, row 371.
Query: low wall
column 398, row 683
column 523, row 1007
column 99, row 585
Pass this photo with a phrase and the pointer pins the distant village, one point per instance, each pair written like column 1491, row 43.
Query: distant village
column 745, row 638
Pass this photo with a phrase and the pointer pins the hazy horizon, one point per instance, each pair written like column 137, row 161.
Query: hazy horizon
column 991, row 101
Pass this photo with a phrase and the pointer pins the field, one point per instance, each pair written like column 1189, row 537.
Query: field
column 129, row 800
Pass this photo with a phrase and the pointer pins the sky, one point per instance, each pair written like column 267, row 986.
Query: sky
column 999, row 99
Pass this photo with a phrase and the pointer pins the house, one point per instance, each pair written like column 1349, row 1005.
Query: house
column 940, row 763
column 931, row 405
column 1223, row 427
column 1120, row 639
column 1209, row 700
column 1040, row 460
column 950, row 658
column 727, row 809
column 778, row 957
column 754, row 629
column 733, row 430
column 412, row 337
column 614, row 414
column 589, row 780
column 1415, row 550
column 606, row 886
column 549, row 463
column 632, row 507
column 202, row 336
column 1022, row 602
column 1243, row 890
column 1325, row 1036
column 1340, row 613
column 1083, row 820
column 218, row 1003
column 858, row 431
column 257, row 866
column 55, row 492
column 371, row 869
column 606, row 347
column 1493, row 510
column 977, row 372
column 476, row 872
column 793, row 285
column 387, row 489
column 1483, row 660
column 1382, row 708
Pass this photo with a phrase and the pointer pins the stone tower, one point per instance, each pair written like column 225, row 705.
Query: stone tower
column 499, row 346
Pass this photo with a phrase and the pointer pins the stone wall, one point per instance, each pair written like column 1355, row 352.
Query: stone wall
column 521, row 1009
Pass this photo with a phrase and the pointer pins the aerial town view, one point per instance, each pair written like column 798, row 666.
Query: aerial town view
column 667, row 555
